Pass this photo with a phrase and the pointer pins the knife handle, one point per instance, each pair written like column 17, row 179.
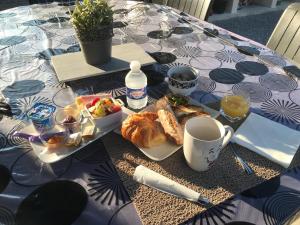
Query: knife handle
column 204, row 201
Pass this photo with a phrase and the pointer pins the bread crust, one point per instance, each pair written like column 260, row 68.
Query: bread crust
column 142, row 130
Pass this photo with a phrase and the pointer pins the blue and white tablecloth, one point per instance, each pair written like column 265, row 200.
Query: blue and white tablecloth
column 86, row 188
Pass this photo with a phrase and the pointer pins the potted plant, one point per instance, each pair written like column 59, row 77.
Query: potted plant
column 93, row 23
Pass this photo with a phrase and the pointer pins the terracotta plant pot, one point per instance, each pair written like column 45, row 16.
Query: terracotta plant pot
column 96, row 52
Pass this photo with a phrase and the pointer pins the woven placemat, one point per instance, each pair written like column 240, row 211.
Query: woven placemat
column 222, row 181
column 225, row 179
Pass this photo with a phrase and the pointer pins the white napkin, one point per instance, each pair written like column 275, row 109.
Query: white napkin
column 155, row 180
column 271, row 140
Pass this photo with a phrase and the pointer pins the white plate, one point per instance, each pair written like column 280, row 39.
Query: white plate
column 53, row 156
column 163, row 151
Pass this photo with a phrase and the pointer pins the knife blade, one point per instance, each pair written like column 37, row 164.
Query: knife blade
column 159, row 182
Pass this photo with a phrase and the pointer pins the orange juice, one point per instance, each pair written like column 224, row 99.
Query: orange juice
column 235, row 106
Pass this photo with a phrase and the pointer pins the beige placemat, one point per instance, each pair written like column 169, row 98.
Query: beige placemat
column 225, row 179
column 72, row 66
column 222, row 181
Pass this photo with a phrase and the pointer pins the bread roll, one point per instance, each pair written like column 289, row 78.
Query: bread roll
column 142, row 130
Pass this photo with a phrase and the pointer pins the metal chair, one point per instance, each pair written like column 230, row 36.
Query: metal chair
column 285, row 38
column 197, row 8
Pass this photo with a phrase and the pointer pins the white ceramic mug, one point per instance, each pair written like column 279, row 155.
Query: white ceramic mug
column 204, row 137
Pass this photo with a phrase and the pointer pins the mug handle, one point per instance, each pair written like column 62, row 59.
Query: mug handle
column 229, row 130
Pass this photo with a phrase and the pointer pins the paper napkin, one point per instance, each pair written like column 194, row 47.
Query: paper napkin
column 155, row 180
column 270, row 139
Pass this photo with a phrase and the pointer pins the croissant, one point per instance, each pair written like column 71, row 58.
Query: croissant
column 142, row 130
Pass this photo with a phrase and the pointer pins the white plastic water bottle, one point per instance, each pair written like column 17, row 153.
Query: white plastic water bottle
column 136, row 86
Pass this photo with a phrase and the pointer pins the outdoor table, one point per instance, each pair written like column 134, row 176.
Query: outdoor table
column 95, row 185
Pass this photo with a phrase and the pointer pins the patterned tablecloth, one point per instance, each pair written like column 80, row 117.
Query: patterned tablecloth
column 86, row 188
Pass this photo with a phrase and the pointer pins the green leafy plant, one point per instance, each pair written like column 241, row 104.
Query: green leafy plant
column 92, row 20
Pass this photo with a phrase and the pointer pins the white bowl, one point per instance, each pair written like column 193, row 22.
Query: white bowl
column 181, row 86
column 111, row 119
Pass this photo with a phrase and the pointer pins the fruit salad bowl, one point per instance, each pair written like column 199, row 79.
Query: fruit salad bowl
column 104, row 109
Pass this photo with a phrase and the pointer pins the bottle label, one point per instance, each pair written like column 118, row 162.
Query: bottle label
column 136, row 94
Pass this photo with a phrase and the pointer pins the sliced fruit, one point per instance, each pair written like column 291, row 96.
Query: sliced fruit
column 95, row 101
column 115, row 108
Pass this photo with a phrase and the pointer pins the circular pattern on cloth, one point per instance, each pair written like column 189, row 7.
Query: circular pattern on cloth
column 151, row 13
column 34, row 22
column 226, row 76
column 69, row 40
column 187, row 51
column 45, row 204
column 211, row 46
column 240, row 223
column 163, row 57
column 275, row 59
column 279, row 206
column 140, row 39
column 247, row 50
column 154, row 77
column 151, row 47
column 173, row 42
column 69, row 12
column 216, row 215
column 260, row 48
column 256, row 92
column 206, row 84
column 106, row 185
column 182, row 30
column 4, row 178
column 158, row 34
column 16, row 141
column 6, row 15
column 229, row 56
column 278, row 82
column 48, row 53
column 205, row 63
column 58, row 19
column 28, row 170
column 6, row 216
column 293, row 70
column 263, row 190
column 12, row 40
column 22, row 105
column 116, row 92
column 165, row 68
column 294, row 96
column 119, row 24
column 94, row 153
column 282, row 111
column 23, row 88
column 210, row 32
column 252, row 68
column 63, row 97
column 192, row 38
column 121, row 11
column 74, row 48
column 3, row 141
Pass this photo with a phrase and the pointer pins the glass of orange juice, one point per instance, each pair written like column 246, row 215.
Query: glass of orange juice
column 235, row 107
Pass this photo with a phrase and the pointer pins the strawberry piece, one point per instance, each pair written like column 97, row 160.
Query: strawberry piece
column 89, row 105
column 115, row 108
column 95, row 101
